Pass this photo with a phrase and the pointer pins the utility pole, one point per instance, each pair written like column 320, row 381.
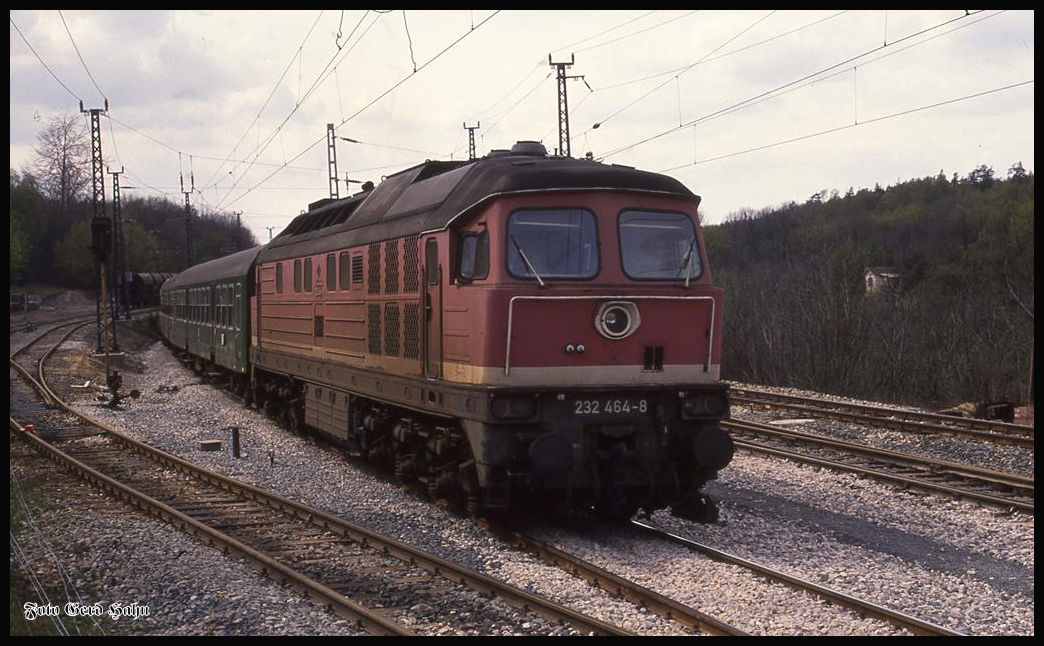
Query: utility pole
column 101, row 240
column 471, row 138
column 563, row 103
column 120, row 247
column 331, row 160
column 239, row 230
column 188, row 213
column 270, row 233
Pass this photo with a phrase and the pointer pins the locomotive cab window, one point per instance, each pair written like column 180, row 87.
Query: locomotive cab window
column 552, row 243
column 474, row 255
column 657, row 245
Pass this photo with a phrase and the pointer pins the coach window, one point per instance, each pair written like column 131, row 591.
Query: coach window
column 308, row 274
column 658, row 245
column 279, row 278
column 226, row 305
column 552, row 243
column 238, row 309
column 297, row 275
column 474, row 255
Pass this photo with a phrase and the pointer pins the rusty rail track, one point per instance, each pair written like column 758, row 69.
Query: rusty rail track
column 623, row 588
column 893, row 418
column 861, row 606
column 1006, row 490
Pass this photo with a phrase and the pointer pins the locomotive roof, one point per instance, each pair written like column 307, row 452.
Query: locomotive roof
column 234, row 265
column 429, row 196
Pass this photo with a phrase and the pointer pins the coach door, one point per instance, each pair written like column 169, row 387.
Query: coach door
column 432, row 310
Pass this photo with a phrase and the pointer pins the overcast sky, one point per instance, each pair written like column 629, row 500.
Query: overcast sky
column 750, row 109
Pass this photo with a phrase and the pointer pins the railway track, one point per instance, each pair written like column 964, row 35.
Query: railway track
column 622, row 588
column 860, row 606
column 373, row 579
column 1006, row 490
column 893, row 418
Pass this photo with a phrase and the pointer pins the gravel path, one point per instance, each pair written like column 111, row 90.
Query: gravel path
column 954, row 563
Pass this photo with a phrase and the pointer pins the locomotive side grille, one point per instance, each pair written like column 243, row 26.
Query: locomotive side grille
column 410, row 266
column 357, row 269
column 411, row 343
column 373, row 328
column 374, row 275
column 391, row 267
column 391, row 329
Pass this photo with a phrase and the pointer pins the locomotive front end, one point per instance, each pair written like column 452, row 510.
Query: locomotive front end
column 596, row 331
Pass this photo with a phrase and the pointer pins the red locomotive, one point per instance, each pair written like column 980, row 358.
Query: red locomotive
column 515, row 330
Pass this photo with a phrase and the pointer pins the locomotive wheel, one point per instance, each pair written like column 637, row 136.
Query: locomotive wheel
column 271, row 408
column 293, row 419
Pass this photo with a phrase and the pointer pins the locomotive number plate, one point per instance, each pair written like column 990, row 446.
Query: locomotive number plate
column 611, row 406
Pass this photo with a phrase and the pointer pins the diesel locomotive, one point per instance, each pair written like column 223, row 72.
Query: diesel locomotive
column 519, row 330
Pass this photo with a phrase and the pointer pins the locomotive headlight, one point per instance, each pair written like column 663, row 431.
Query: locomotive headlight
column 513, row 407
column 617, row 319
column 705, row 404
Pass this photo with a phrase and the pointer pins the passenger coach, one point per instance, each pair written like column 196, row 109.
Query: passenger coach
column 204, row 312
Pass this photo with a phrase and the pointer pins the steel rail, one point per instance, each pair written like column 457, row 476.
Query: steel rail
column 365, row 618
column 866, row 608
column 931, row 423
column 964, row 471
column 622, row 588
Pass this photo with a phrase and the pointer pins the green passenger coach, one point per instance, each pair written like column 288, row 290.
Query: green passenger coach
column 206, row 309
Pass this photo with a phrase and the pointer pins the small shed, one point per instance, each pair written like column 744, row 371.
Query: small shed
column 879, row 279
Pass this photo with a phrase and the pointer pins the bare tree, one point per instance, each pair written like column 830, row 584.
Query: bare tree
column 62, row 163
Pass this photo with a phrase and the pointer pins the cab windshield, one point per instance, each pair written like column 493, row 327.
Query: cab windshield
column 552, row 243
column 658, row 245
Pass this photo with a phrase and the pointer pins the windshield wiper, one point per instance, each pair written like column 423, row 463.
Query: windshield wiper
column 685, row 262
column 525, row 259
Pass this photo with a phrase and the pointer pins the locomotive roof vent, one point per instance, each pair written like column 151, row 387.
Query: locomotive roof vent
column 531, row 148
column 499, row 152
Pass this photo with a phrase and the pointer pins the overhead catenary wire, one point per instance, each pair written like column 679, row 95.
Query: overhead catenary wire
column 46, row 66
column 271, row 93
column 864, row 122
column 686, row 69
column 779, row 88
column 371, row 103
column 80, row 56
column 260, row 148
column 681, row 95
